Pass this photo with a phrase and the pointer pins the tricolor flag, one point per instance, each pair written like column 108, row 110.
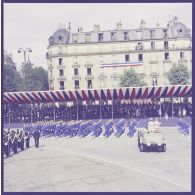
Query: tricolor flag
column 122, row 64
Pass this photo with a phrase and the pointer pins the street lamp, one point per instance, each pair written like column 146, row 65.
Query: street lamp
column 24, row 52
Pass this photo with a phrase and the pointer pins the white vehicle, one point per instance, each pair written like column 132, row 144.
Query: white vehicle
column 151, row 138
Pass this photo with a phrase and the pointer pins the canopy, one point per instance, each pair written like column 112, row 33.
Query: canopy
column 129, row 93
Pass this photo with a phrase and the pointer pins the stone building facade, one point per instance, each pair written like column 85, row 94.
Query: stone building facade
column 96, row 59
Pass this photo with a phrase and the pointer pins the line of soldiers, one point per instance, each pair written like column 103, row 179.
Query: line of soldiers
column 83, row 128
column 14, row 140
column 183, row 127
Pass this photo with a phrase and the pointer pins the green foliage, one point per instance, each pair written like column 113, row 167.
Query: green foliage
column 12, row 80
column 40, row 79
column 179, row 75
column 131, row 79
column 32, row 79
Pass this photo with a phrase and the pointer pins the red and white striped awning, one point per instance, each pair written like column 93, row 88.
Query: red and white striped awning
column 129, row 93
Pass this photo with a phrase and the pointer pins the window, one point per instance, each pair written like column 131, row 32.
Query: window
column 113, row 36
column 76, row 83
column 60, row 61
column 87, row 37
column 166, row 55
column 182, row 55
column 152, row 45
column 165, row 34
column 152, row 34
column 179, row 31
column 140, row 57
column 88, row 71
column 139, row 46
column 100, row 37
column 89, row 84
column 74, row 38
column 61, row 85
column 76, row 71
column 166, row 45
column 127, row 58
column 154, row 81
column 126, row 36
column 139, row 34
column 61, row 72
column 60, row 38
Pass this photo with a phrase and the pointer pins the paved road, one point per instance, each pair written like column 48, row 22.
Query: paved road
column 100, row 164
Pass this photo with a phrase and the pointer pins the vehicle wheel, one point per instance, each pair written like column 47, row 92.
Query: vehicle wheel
column 141, row 148
column 164, row 148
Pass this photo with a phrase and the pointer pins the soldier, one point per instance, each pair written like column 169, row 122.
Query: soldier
column 21, row 140
column 156, row 124
column 14, row 140
column 6, row 143
column 27, row 139
column 151, row 124
column 36, row 136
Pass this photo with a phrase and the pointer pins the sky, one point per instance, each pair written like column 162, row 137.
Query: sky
column 30, row 25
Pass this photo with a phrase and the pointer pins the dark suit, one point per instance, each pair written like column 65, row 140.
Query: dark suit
column 36, row 136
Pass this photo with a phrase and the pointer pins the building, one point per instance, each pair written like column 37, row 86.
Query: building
column 96, row 59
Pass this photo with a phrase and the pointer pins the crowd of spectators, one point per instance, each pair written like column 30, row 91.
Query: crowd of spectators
column 23, row 113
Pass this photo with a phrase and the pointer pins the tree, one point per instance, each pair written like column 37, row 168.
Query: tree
column 131, row 79
column 26, row 72
column 39, row 79
column 179, row 75
column 12, row 80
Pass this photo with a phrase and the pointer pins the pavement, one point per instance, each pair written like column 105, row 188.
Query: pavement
column 100, row 165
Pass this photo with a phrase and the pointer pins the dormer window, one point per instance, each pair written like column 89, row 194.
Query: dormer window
column 165, row 34
column 113, row 36
column 126, row 36
column 100, row 37
column 60, row 38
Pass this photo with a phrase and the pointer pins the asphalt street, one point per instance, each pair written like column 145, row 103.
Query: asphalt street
column 100, row 165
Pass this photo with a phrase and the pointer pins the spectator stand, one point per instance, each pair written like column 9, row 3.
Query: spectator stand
column 132, row 102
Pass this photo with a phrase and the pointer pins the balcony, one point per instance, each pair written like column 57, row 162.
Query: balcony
column 88, row 65
column 154, row 74
column 51, row 78
column 62, row 88
column 182, row 61
column 76, row 87
column 102, row 76
column 89, row 77
column 154, row 62
column 61, row 78
column 76, row 77
column 167, row 61
column 76, row 65
column 114, row 76
column 139, row 47
column 61, row 66
column 50, row 67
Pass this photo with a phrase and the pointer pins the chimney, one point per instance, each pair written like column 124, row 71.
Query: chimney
column 142, row 24
column 80, row 29
column 96, row 27
column 119, row 25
